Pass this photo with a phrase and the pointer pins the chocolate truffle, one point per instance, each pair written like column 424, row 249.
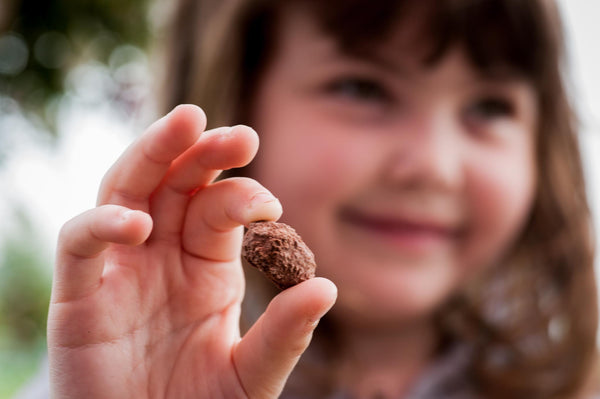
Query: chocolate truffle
column 278, row 251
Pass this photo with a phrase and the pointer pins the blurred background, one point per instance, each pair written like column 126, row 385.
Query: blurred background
column 74, row 79
column 75, row 88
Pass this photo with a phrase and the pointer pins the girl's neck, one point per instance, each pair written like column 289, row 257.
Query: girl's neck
column 384, row 362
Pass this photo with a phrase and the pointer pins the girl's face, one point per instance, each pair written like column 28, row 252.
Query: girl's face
column 406, row 181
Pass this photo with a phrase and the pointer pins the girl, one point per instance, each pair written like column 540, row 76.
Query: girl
column 426, row 152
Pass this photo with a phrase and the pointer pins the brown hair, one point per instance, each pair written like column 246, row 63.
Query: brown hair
column 540, row 343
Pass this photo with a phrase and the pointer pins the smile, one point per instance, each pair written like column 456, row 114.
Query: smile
column 406, row 233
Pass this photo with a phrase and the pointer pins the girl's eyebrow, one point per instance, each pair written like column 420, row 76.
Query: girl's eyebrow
column 397, row 68
column 372, row 58
column 500, row 76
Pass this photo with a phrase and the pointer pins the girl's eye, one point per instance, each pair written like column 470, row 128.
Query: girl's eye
column 488, row 108
column 361, row 89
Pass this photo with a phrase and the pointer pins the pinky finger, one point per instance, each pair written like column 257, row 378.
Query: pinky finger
column 82, row 240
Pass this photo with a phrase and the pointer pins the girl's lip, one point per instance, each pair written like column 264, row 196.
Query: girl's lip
column 406, row 232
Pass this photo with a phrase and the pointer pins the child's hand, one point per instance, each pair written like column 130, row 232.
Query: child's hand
column 148, row 285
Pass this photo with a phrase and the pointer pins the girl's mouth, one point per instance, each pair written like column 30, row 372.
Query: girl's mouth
column 404, row 232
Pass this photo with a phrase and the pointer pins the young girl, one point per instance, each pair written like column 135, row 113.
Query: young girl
column 425, row 151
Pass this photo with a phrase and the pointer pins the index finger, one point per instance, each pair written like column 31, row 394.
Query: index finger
column 139, row 171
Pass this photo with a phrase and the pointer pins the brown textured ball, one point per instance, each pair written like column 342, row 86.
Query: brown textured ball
column 278, row 251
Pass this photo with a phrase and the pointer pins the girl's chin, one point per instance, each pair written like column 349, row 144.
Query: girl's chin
column 385, row 306
column 391, row 291
column 371, row 317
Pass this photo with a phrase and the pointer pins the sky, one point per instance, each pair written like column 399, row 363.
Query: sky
column 55, row 185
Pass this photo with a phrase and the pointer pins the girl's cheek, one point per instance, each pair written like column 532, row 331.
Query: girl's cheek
column 326, row 161
column 501, row 197
column 340, row 166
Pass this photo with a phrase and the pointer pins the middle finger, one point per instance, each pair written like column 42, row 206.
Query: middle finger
column 138, row 172
column 216, row 150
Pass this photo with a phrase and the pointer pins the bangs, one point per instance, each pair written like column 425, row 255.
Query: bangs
column 498, row 36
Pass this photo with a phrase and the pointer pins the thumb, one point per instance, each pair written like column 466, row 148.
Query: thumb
column 268, row 352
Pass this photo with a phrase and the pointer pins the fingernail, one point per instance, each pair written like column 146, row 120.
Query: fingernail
column 225, row 131
column 263, row 197
column 127, row 215
column 263, row 206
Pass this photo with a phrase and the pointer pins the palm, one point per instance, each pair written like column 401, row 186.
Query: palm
column 153, row 329
column 157, row 316
column 148, row 325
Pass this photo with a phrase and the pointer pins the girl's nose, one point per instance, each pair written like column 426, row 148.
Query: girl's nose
column 429, row 152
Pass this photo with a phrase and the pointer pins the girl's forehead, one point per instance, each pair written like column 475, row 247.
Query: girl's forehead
column 515, row 36
column 300, row 28
column 403, row 51
column 405, row 35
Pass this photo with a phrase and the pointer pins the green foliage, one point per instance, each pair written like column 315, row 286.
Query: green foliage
column 24, row 288
column 17, row 368
column 40, row 41
column 25, row 279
